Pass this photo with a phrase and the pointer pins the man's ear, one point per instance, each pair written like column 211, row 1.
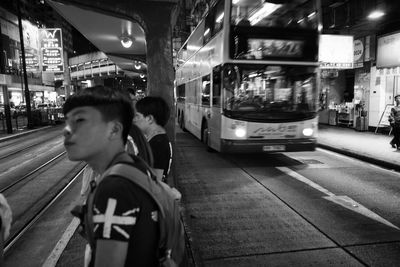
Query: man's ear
column 116, row 129
column 150, row 118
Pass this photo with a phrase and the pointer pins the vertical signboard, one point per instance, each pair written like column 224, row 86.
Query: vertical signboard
column 31, row 40
column 359, row 53
column 51, row 50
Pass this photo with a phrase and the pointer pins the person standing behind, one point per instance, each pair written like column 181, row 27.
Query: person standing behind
column 395, row 122
column 152, row 114
column 125, row 230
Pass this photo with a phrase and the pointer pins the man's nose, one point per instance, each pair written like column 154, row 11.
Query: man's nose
column 67, row 130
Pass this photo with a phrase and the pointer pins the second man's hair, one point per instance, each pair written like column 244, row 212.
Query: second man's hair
column 155, row 106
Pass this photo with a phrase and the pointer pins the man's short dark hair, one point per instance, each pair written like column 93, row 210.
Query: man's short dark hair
column 155, row 106
column 112, row 104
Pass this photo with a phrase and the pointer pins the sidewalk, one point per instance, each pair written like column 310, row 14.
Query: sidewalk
column 367, row 146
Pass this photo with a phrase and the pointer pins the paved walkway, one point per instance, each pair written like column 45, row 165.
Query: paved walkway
column 368, row 146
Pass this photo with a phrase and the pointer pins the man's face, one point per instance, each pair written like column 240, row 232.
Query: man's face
column 85, row 133
column 397, row 99
column 141, row 121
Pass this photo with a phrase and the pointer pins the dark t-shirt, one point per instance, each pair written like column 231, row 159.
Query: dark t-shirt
column 161, row 149
column 125, row 212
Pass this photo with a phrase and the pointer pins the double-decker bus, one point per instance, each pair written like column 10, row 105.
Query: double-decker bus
column 247, row 77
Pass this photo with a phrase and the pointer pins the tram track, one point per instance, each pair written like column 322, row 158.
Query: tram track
column 12, row 240
column 15, row 152
column 31, row 173
column 25, row 143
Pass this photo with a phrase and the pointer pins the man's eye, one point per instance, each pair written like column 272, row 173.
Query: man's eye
column 80, row 120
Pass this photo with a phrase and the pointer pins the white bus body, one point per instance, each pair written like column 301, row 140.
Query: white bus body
column 250, row 88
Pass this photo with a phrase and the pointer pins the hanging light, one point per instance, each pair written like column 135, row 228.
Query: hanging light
column 126, row 41
column 141, row 75
column 138, row 65
column 376, row 14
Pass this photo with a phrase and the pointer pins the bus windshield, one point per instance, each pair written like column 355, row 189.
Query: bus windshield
column 274, row 13
column 268, row 93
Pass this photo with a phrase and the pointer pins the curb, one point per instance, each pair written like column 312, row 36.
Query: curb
column 381, row 163
column 13, row 136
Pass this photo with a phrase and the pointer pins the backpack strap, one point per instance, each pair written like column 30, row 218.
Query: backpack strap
column 130, row 172
column 88, row 218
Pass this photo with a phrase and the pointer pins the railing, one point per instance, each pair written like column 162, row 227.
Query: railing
column 40, row 117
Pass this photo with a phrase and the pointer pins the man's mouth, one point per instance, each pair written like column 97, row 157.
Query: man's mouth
column 68, row 143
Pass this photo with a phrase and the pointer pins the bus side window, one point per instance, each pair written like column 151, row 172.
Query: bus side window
column 181, row 93
column 216, row 89
column 214, row 21
column 219, row 16
column 205, row 91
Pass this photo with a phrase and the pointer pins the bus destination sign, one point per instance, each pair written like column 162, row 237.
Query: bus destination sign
column 267, row 48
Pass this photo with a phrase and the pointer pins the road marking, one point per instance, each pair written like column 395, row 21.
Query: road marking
column 343, row 201
column 55, row 255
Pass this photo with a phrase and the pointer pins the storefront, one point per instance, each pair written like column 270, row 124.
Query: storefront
column 337, row 80
column 346, row 91
column 385, row 78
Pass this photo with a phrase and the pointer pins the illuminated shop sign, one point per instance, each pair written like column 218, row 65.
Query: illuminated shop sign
column 388, row 54
column 31, row 45
column 266, row 48
column 51, row 50
column 336, row 51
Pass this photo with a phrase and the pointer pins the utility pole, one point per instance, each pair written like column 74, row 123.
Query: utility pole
column 27, row 93
column 4, row 89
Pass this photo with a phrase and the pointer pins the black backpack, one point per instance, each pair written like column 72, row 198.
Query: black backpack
column 172, row 240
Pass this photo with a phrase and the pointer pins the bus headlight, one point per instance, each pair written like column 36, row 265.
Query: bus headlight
column 240, row 132
column 308, row 132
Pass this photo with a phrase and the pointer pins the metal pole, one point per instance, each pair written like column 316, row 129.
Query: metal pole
column 27, row 93
column 4, row 89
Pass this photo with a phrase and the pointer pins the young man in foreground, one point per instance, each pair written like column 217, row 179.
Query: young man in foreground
column 126, row 232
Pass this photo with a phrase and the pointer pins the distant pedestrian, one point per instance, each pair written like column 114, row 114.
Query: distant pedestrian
column 132, row 92
column 394, row 120
column 152, row 114
column 124, row 228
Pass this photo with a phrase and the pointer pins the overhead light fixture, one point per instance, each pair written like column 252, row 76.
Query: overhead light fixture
column 126, row 41
column 263, row 12
column 138, row 65
column 312, row 14
column 141, row 75
column 376, row 14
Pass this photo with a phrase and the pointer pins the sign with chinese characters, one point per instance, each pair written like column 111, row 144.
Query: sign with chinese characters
column 31, row 45
column 336, row 51
column 51, row 50
column 265, row 48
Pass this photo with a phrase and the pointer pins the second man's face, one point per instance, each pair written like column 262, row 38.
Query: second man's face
column 141, row 121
